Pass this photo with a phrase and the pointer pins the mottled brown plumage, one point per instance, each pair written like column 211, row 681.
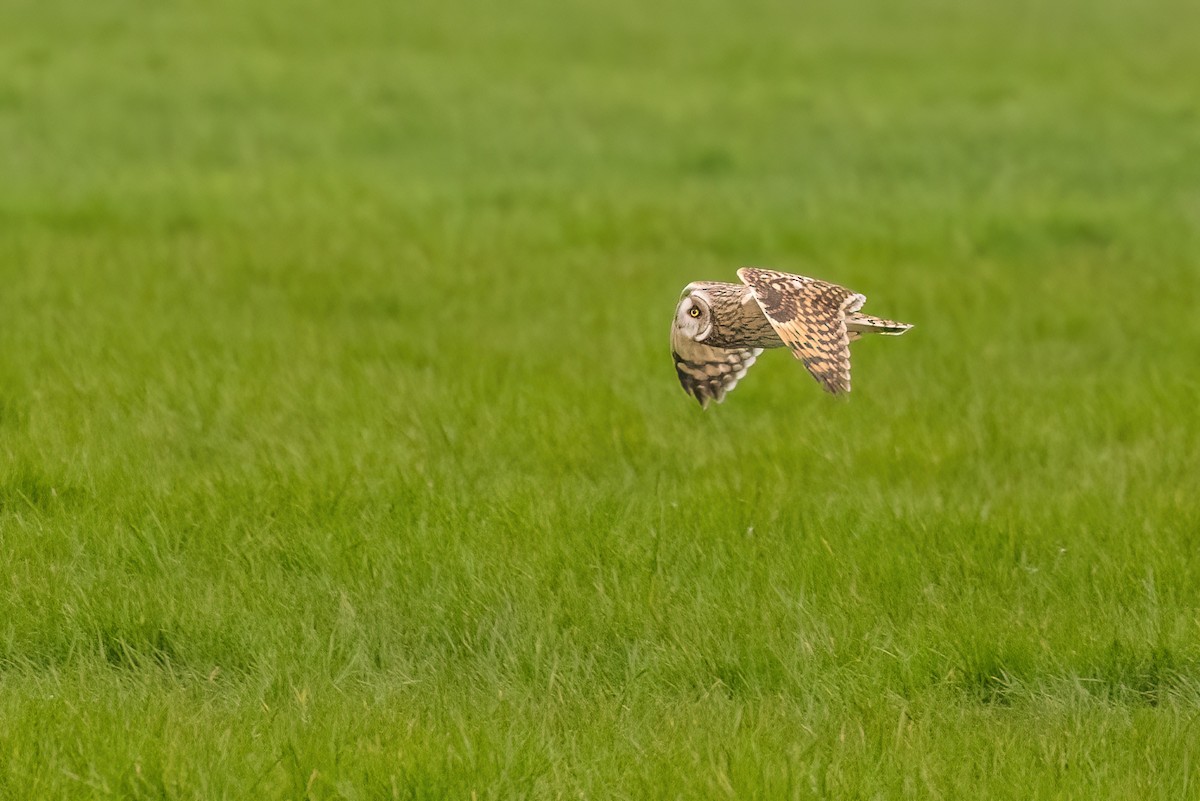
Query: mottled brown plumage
column 721, row 328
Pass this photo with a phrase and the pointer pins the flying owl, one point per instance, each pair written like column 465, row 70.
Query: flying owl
column 720, row 329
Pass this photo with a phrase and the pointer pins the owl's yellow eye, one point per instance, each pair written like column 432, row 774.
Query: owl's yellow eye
column 695, row 312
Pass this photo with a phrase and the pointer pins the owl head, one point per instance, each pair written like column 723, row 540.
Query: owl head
column 694, row 314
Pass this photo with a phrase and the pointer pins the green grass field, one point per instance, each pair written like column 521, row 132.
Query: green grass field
column 341, row 453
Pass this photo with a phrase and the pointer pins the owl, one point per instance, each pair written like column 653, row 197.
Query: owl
column 720, row 329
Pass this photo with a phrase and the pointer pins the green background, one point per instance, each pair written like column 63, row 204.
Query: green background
column 341, row 454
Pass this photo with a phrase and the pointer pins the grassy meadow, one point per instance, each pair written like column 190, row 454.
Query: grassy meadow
column 342, row 456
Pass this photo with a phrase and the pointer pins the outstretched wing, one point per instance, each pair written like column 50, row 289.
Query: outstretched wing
column 810, row 317
column 707, row 373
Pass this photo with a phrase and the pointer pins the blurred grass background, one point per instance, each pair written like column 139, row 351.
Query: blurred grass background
column 341, row 455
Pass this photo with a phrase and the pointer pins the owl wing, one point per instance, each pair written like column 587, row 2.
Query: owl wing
column 707, row 373
column 810, row 317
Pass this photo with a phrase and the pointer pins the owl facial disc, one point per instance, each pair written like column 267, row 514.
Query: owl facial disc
column 694, row 316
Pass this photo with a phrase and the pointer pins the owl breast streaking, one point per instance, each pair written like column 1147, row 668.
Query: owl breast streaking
column 720, row 329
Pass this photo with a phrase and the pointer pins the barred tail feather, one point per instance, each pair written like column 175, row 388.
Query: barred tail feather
column 859, row 323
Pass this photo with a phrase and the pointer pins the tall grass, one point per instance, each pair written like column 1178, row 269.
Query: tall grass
column 341, row 455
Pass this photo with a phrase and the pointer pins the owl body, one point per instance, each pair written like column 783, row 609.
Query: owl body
column 720, row 329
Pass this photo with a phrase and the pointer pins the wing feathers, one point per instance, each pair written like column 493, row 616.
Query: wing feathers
column 707, row 373
column 810, row 317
